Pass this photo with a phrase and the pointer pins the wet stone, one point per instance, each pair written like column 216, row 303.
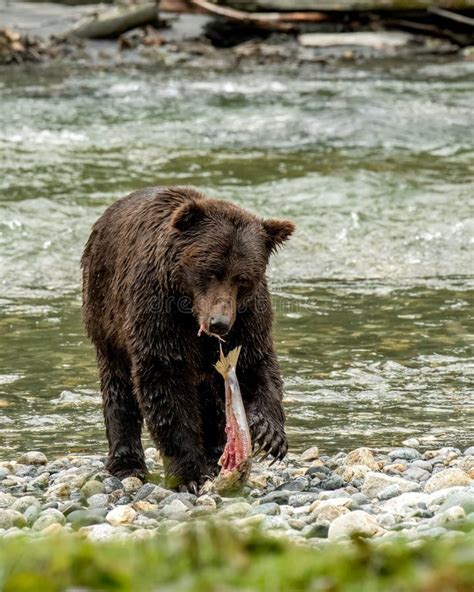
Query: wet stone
column 31, row 514
column 131, row 484
column 5, row 519
column 33, row 457
column 296, row 500
column 46, row 519
column 21, row 504
column 26, row 471
column 310, row 454
column 409, row 454
column 98, row 500
column 91, row 488
column 422, row 464
column 332, row 482
column 416, row 474
column 389, row 492
column 279, row 497
column 112, row 484
column 319, row 531
column 270, row 509
column 300, row 484
column 80, row 518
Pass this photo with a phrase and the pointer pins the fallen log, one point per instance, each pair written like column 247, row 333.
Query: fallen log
column 376, row 40
column 347, row 5
column 244, row 17
column 115, row 21
column 452, row 16
column 263, row 19
column 181, row 6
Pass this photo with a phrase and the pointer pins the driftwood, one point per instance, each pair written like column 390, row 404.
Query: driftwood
column 377, row 40
column 180, row 6
column 452, row 16
column 115, row 21
column 348, row 5
column 242, row 16
column 275, row 21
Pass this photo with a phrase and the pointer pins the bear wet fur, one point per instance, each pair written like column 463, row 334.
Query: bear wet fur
column 160, row 264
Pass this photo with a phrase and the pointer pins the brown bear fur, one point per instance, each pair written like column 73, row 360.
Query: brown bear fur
column 159, row 263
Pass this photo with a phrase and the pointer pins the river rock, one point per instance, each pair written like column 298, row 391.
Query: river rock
column 354, row 523
column 150, row 490
column 361, row 456
column 131, row 484
column 327, row 514
column 453, row 514
column 469, row 451
column 274, row 522
column 409, row 454
column 297, row 500
column 31, row 514
column 48, row 517
column 405, row 503
column 102, row 532
column 310, row 454
column 351, row 473
column 390, row 491
column 235, row 509
column 300, row 484
column 60, row 490
column 319, row 531
column 270, row 509
column 112, row 484
column 33, row 458
column 463, row 499
column 416, row 474
column 6, row 520
column 53, row 529
column 447, row 478
column 331, row 483
column 374, row 483
column 121, row 515
column 279, row 497
column 22, row 503
column 80, row 518
column 207, row 501
column 92, row 487
column 98, row 500
column 422, row 464
column 39, row 482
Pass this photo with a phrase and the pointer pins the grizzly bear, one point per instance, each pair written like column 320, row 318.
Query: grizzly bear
column 165, row 271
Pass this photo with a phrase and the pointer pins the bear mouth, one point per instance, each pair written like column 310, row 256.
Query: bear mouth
column 204, row 330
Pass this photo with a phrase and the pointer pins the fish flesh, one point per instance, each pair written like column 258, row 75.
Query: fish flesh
column 236, row 460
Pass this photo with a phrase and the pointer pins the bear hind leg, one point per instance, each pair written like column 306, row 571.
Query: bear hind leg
column 123, row 419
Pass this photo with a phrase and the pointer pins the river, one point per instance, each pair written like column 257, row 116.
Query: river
column 373, row 295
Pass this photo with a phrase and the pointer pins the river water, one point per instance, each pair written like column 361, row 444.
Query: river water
column 373, row 295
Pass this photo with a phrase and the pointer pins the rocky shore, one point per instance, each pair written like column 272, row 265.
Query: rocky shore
column 44, row 33
column 310, row 498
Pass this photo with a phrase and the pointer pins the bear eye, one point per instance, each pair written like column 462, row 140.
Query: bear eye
column 243, row 282
column 216, row 276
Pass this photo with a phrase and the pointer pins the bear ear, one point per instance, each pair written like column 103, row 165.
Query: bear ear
column 187, row 215
column 277, row 231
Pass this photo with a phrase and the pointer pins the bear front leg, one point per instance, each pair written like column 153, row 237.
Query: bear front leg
column 169, row 403
column 263, row 390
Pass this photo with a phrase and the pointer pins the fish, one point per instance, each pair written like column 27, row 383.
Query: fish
column 236, row 459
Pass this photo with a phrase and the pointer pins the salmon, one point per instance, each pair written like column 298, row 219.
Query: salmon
column 236, row 460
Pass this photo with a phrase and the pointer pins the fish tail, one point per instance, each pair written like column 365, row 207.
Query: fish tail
column 225, row 363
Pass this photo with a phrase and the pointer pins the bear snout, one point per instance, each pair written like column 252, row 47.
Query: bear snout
column 220, row 324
